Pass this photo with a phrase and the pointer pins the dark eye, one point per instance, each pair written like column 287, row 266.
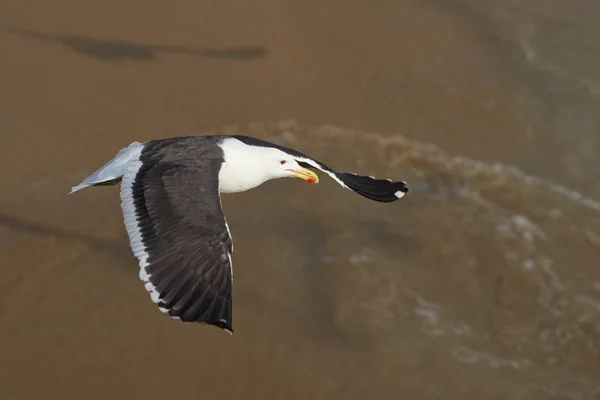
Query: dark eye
column 282, row 162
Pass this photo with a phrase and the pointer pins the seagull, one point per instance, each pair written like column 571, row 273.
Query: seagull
column 171, row 203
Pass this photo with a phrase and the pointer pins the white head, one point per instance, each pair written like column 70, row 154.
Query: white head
column 247, row 167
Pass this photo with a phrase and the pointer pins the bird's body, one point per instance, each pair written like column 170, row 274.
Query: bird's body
column 171, row 201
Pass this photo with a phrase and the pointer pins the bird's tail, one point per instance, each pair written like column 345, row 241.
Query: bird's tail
column 112, row 172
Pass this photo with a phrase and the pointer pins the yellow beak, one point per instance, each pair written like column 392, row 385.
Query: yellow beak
column 305, row 174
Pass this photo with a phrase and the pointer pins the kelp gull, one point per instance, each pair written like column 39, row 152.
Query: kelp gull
column 171, row 201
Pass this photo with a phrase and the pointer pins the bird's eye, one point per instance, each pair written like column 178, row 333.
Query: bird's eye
column 282, row 162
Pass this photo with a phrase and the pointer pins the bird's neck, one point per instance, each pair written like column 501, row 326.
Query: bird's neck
column 243, row 167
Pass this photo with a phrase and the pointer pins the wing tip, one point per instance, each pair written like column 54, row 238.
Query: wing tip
column 382, row 190
column 400, row 193
column 77, row 188
column 223, row 324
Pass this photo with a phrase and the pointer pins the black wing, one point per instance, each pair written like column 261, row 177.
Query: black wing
column 178, row 232
column 383, row 190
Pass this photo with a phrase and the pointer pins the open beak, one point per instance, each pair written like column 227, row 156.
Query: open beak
column 305, row 174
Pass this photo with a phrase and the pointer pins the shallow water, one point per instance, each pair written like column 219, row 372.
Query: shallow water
column 482, row 283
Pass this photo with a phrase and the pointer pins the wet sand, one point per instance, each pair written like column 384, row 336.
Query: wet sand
column 483, row 283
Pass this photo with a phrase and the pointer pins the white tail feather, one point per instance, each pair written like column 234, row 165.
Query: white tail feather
column 113, row 169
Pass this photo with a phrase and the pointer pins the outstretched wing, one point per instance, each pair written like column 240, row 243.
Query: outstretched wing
column 179, row 234
column 383, row 190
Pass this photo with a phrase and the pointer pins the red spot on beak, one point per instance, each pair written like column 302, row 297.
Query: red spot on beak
column 311, row 180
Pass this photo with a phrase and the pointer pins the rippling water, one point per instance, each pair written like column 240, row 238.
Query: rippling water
column 483, row 281
column 482, row 275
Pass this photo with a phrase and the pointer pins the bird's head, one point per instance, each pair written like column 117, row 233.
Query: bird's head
column 285, row 166
column 248, row 166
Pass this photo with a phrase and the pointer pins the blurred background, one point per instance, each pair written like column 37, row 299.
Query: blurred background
column 482, row 283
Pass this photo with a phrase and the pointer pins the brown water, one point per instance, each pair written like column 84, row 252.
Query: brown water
column 483, row 283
